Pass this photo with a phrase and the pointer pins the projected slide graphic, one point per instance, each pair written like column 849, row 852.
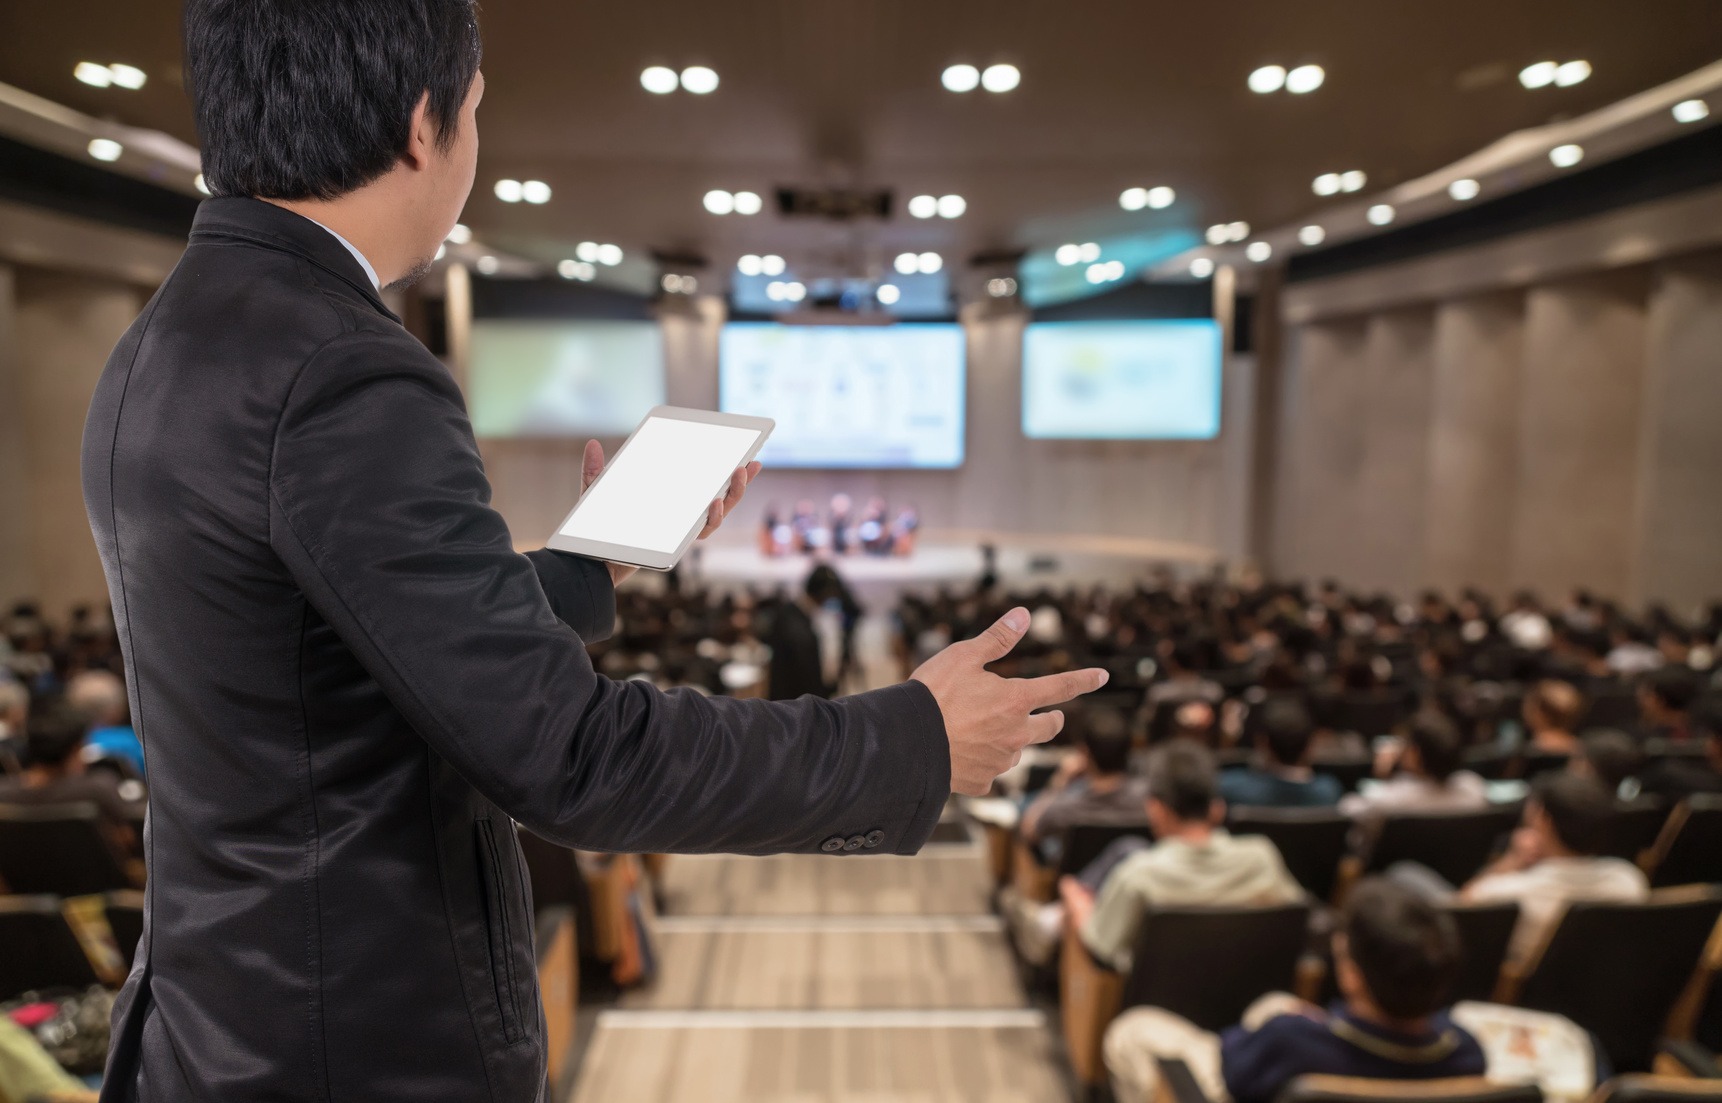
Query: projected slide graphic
column 849, row 396
column 533, row 378
column 1132, row 380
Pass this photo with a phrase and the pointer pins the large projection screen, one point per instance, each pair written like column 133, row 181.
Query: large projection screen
column 1123, row 380
column 563, row 378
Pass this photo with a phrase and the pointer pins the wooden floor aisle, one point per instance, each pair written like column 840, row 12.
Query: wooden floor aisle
column 813, row 979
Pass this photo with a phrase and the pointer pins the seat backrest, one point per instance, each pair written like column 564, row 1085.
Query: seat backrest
column 40, row 949
column 1348, row 770
column 1635, row 826
column 1617, row 969
column 124, row 913
column 1690, row 851
column 1310, row 840
column 1610, row 705
column 1083, row 842
column 1372, row 713
column 1485, row 932
column 1490, row 761
column 1209, row 964
column 58, row 849
column 1454, row 844
column 1639, row 1088
column 1352, row 1089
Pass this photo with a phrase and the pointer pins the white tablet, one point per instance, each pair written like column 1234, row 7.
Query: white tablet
column 651, row 500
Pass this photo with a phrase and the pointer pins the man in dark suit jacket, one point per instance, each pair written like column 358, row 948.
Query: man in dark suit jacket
column 348, row 681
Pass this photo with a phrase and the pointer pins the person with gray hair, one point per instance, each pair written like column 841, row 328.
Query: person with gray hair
column 100, row 696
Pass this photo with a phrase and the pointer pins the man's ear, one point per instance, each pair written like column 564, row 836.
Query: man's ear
column 421, row 136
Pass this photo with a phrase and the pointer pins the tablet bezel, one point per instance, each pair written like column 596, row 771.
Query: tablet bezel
column 645, row 557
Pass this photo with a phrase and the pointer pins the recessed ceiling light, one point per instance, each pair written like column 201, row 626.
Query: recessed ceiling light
column 105, row 149
column 952, row 206
column 1001, row 78
column 96, row 76
column 961, row 78
column 1538, row 75
column 1237, row 231
column 1096, row 273
column 748, row 203
column 690, row 285
column 1690, row 111
column 201, row 184
column 1090, row 252
column 1258, row 251
column 699, row 80
column 774, row 291
column 1133, row 199
column 1326, row 184
column 1269, row 78
column 1566, row 156
column 1380, row 214
column 588, row 251
column 1571, row 73
column 1352, row 181
column 488, row 265
column 718, row 201
column 907, row 264
column 929, row 263
column 567, row 268
column 610, row 255
column 1002, row 288
column 750, row 265
column 127, row 76
column 1217, row 234
column 772, row 265
column 535, row 191
column 794, row 291
column 1201, row 268
column 509, row 191
column 1068, row 255
column 888, row 294
column 461, row 234
column 1312, row 235
column 1464, row 190
column 659, row 80
column 924, row 206
column 1162, row 197
column 1305, row 78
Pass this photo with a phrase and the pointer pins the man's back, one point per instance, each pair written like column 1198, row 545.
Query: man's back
column 1544, row 890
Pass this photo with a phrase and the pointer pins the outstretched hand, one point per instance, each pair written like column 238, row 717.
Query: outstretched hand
column 989, row 719
column 592, row 465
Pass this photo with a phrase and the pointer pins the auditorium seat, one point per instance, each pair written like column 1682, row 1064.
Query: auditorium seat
column 1311, row 840
column 124, row 911
column 1643, row 1088
column 1206, row 964
column 1348, row 770
column 1618, row 970
column 1485, row 932
column 1530, row 762
column 1454, row 844
column 1689, row 849
column 1610, row 705
column 58, row 849
column 1371, row 713
column 1351, row 1089
column 38, row 949
column 1079, row 844
column 1636, row 827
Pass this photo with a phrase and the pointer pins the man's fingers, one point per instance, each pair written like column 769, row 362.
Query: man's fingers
column 1043, row 726
column 714, row 518
column 591, row 464
column 995, row 643
column 753, row 470
column 737, row 487
column 1054, row 688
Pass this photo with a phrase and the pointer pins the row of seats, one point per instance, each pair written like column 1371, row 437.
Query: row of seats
column 61, row 850
column 50, row 942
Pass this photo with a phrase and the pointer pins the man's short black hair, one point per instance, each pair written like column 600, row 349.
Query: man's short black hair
column 54, row 732
column 1287, row 730
column 1107, row 741
column 1405, row 945
column 1440, row 748
column 1181, row 776
column 1614, row 756
column 311, row 99
column 1675, row 687
column 1579, row 808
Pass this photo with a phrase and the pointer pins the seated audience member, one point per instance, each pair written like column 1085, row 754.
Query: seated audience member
column 14, row 709
column 1396, row 955
column 1282, row 777
column 1192, row 862
column 1665, row 700
column 1551, row 713
column 1092, row 785
column 1613, row 758
column 1525, row 625
column 101, row 697
column 1555, row 859
column 1194, row 721
column 1183, row 682
column 1678, row 778
column 1420, row 774
column 55, row 773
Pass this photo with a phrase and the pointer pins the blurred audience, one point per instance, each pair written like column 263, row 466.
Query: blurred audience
column 1282, row 777
column 55, row 774
column 1092, row 785
column 1420, row 773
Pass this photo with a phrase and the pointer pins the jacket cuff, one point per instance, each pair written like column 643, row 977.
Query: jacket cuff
column 924, row 728
column 580, row 592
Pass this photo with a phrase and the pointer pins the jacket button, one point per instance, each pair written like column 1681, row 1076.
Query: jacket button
column 832, row 845
column 856, row 842
column 874, row 838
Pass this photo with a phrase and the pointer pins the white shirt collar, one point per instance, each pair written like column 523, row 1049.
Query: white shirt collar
column 358, row 256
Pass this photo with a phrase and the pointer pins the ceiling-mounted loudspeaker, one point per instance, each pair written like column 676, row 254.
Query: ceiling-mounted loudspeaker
column 835, row 204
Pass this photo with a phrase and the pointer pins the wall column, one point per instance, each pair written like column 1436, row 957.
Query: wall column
column 17, row 520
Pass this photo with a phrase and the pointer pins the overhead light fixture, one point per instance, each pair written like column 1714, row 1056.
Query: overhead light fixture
column 772, row 265
column 510, row 191
column 488, row 265
column 952, row 206
column 1566, row 156
column 1571, row 73
column 201, row 184
column 1001, row 78
column 1269, row 78
column 1068, row 255
column 774, row 291
column 1237, row 231
column 577, row 270
column 105, row 149
column 1326, row 184
column 460, row 235
column 1352, row 181
column 1464, row 190
column 1217, row 234
column 1090, row 252
column 1201, row 268
column 1106, row 273
column 1380, row 214
column 535, row 192
column 1305, row 78
column 699, row 80
column 1538, row 75
column 960, row 78
column 127, row 76
column 1001, row 288
column 1690, row 111
column 718, row 201
column 1160, row 198
column 1258, row 251
column 924, row 206
column 794, row 291
column 659, row 80
column 888, row 294
column 609, row 255
column 1312, row 235
column 96, row 76
column 929, row 263
column 907, row 264
column 750, row 265
column 1133, row 199
column 588, row 251
column 676, row 284
column 567, row 268
column 748, row 203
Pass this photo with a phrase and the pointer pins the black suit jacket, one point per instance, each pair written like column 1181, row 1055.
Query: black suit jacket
column 348, row 682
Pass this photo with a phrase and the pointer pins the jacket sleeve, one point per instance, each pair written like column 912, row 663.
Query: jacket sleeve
column 380, row 510
column 579, row 591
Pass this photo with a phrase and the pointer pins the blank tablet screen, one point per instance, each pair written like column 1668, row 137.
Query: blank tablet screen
column 655, row 489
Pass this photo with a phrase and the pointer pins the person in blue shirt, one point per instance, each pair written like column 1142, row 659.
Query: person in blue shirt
column 1396, row 955
column 1282, row 777
column 101, row 697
